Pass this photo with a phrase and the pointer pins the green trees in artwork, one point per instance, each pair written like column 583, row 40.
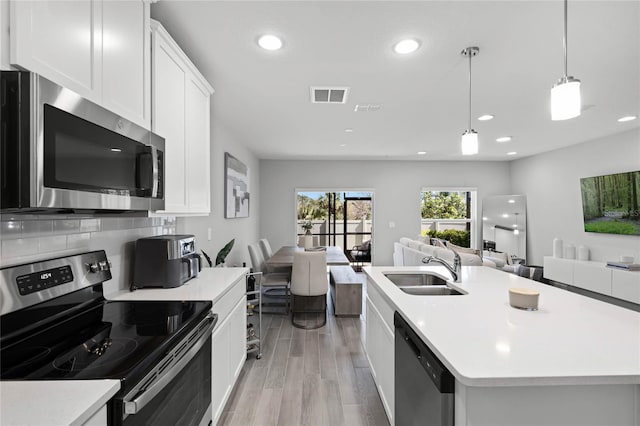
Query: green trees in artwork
column 610, row 203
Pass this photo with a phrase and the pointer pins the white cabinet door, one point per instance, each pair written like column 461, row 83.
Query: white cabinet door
column 626, row 285
column 237, row 339
column 180, row 113
column 229, row 345
column 61, row 40
column 168, row 119
column 380, row 346
column 594, row 276
column 4, row 36
column 220, row 385
column 560, row 270
column 126, row 67
column 198, row 146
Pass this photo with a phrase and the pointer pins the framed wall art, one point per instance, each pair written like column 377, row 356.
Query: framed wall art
column 236, row 187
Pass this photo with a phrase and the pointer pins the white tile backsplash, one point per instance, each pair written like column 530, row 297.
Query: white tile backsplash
column 19, row 247
column 66, row 226
column 31, row 238
column 52, row 243
column 79, row 240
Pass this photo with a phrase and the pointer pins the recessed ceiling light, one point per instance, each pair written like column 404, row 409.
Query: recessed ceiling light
column 486, row 117
column 270, row 42
column 505, row 215
column 503, row 139
column 512, row 201
column 484, row 218
column 406, row 46
column 348, row 130
column 343, row 145
column 422, row 152
column 511, row 153
column 627, row 118
column 116, row 150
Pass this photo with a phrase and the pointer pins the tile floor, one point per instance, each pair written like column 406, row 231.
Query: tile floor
column 307, row 377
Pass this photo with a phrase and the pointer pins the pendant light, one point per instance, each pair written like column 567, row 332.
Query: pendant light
column 565, row 94
column 470, row 136
column 516, row 231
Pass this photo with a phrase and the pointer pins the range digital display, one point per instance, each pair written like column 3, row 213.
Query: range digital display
column 37, row 281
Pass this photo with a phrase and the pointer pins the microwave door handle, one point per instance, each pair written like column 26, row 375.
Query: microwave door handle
column 147, row 170
column 154, row 162
column 134, row 406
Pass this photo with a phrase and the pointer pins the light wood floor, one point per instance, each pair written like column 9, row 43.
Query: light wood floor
column 307, row 377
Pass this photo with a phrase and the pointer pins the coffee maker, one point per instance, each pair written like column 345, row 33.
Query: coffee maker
column 165, row 261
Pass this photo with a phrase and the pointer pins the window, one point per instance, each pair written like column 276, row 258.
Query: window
column 449, row 214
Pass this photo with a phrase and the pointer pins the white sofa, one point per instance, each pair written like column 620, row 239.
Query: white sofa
column 408, row 252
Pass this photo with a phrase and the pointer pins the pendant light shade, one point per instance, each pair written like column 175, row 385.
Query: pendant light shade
column 470, row 137
column 566, row 101
column 469, row 142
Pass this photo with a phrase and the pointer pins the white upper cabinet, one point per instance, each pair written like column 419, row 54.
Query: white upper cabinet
column 126, row 59
column 180, row 98
column 97, row 48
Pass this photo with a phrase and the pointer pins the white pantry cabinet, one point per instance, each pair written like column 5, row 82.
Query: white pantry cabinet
column 228, row 345
column 181, row 114
column 97, row 48
column 380, row 347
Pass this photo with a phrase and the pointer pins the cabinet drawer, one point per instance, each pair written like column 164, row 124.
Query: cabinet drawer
column 384, row 308
column 226, row 303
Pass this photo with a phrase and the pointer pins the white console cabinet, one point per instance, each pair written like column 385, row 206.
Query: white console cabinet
column 594, row 276
column 181, row 114
column 380, row 347
column 98, row 48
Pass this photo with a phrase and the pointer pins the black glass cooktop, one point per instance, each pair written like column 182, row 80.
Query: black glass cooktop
column 111, row 340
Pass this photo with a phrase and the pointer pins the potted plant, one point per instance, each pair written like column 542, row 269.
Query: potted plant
column 224, row 252
column 221, row 256
column 308, row 237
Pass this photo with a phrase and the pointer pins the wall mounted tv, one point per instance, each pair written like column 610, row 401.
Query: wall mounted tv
column 610, row 203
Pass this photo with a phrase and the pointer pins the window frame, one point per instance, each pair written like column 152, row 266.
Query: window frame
column 473, row 220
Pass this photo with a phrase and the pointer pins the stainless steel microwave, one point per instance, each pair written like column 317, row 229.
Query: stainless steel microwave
column 63, row 153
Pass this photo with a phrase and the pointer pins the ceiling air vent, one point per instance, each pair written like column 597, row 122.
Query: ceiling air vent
column 329, row 95
column 367, row 107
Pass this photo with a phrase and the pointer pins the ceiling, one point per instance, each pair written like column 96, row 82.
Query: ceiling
column 262, row 97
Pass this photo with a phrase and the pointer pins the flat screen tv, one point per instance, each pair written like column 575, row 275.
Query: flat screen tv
column 610, row 203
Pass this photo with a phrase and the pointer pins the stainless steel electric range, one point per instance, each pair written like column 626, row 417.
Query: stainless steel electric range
column 56, row 324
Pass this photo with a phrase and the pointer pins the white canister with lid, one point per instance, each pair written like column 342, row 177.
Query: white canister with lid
column 583, row 253
column 570, row 251
column 557, row 248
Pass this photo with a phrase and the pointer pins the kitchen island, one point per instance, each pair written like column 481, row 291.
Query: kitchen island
column 576, row 360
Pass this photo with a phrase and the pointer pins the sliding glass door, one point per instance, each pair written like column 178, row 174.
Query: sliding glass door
column 343, row 219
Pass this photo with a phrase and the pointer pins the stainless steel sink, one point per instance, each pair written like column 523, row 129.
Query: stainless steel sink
column 439, row 290
column 416, row 279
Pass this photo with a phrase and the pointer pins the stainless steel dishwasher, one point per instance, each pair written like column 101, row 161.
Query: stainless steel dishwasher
column 423, row 386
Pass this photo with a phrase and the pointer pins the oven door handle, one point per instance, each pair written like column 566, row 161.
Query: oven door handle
column 135, row 405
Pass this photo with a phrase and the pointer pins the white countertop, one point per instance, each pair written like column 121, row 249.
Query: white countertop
column 210, row 284
column 54, row 402
column 570, row 340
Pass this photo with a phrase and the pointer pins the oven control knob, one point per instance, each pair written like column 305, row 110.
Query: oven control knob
column 93, row 267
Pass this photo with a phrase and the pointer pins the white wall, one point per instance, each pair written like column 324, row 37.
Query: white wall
column 244, row 230
column 551, row 182
column 396, row 187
